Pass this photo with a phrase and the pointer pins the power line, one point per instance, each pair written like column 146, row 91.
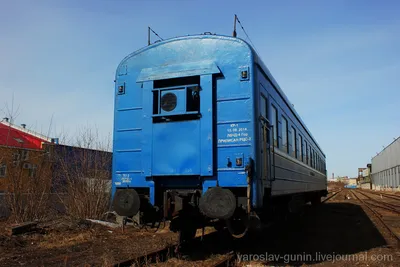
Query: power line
column 156, row 34
column 236, row 18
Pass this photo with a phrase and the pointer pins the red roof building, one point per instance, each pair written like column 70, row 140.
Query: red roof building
column 15, row 136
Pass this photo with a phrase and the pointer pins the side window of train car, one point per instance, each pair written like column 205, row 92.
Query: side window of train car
column 315, row 160
column 285, row 136
column 263, row 111
column 322, row 166
column 263, row 106
column 301, row 147
column 319, row 165
column 294, row 143
column 306, row 146
column 311, row 158
column 274, row 118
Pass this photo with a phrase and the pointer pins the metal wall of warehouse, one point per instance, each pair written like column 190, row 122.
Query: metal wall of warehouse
column 385, row 169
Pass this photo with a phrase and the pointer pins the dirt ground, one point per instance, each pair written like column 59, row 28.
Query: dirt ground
column 63, row 243
column 337, row 233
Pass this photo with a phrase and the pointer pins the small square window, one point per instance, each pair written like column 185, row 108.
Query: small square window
column 3, row 170
column 25, row 154
column 32, row 171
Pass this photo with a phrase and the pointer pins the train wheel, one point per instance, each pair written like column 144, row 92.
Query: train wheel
column 126, row 202
column 152, row 220
column 316, row 200
column 238, row 224
column 186, row 237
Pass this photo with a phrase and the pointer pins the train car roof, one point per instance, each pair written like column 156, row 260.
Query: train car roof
column 257, row 60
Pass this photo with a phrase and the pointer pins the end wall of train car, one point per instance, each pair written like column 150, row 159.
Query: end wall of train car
column 150, row 150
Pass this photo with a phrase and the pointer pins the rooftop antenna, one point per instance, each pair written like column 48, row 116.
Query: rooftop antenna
column 234, row 32
column 148, row 35
column 234, row 26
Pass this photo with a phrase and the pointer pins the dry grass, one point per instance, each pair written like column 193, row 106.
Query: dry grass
column 50, row 242
column 83, row 177
column 27, row 190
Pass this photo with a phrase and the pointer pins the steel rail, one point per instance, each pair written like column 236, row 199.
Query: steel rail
column 382, row 204
column 333, row 195
column 379, row 217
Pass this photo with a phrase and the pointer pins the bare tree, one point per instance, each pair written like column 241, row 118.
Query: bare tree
column 78, row 174
column 28, row 185
column 83, row 176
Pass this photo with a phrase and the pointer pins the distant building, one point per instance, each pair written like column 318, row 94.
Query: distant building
column 343, row 179
column 351, row 182
column 21, row 154
column 385, row 167
column 12, row 135
column 25, row 155
column 70, row 164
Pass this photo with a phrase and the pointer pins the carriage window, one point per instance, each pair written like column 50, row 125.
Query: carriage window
column 315, row 160
column 301, row 147
column 319, row 164
column 322, row 166
column 193, row 98
column 3, row 170
column 263, row 107
column 274, row 121
column 306, row 146
column 311, row 158
column 294, row 143
column 285, row 135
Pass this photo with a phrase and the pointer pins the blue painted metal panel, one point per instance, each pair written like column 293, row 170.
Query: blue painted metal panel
column 178, row 70
column 176, row 148
column 128, row 120
column 147, row 128
column 206, row 126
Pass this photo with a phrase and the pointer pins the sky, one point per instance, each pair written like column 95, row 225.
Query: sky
column 337, row 61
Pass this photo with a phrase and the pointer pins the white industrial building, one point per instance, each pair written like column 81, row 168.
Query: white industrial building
column 385, row 169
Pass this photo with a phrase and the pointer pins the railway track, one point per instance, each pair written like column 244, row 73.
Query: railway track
column 384, row 195
column 170, row 252
column 381, row 204
column 160, row 255
column 167, row 253
column 378, row 215
column 332, row 196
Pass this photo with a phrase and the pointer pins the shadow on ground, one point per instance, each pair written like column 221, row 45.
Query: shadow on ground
column 330, row 229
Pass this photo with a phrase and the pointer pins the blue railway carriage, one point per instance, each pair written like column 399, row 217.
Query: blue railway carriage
column 204, row 135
